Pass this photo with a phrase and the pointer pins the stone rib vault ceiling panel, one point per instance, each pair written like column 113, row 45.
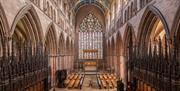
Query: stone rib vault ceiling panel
column 103, row 4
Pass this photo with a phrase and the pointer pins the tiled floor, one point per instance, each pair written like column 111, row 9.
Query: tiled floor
column 85, row 86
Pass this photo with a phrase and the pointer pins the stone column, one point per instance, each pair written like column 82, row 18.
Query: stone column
column 123, row 70
column 63, row 66
column 118, row 65
column 115, row 63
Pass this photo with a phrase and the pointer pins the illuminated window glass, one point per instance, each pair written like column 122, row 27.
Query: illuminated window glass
column 90, row 38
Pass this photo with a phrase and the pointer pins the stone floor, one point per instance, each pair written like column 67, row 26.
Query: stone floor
column 86, row 86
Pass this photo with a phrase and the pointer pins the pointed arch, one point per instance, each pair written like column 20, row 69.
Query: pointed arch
column 150, row 17
column 129, row 33
column 51, row 38
column 28, row 17
column 82, row 3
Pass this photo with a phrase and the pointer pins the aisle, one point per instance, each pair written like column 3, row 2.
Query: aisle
column 86, row 86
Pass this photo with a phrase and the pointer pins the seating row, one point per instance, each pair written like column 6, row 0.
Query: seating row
column 107, row 81
column 74, row 80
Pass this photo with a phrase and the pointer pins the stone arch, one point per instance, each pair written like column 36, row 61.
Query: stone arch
column 129, row 32
column 150, row 17
column 84, row 11
column 51, row 38
column 28, row 17
column 83, row 3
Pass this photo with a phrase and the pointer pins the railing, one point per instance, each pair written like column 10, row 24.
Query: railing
column 158, row 68
column 22, row 68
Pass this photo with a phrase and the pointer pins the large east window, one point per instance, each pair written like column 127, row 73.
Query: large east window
column 90, row 38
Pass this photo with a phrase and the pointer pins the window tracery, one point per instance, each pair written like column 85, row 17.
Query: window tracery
column 90, row 38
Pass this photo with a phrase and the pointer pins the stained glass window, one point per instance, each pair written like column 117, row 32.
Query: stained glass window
column 90, row 38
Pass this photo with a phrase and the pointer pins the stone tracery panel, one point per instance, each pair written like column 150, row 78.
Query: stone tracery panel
column 90, row 38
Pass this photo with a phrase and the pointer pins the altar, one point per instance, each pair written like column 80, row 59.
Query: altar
column 90, row 62
column 90, row 66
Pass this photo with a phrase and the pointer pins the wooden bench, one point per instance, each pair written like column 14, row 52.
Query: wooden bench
column 107, row 80
column 79, row 77
column 72, row 76
column 109, row 83
column 71, row 83
column 104, row 85
column 109, row 76
column 105, row 77
column 67, row 82
column 68, row 76
column 114, row 83
column 75, row 76
column 101, row 77
column 76, row 84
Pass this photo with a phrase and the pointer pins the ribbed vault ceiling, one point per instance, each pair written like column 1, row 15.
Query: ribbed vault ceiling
column 102, row 4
